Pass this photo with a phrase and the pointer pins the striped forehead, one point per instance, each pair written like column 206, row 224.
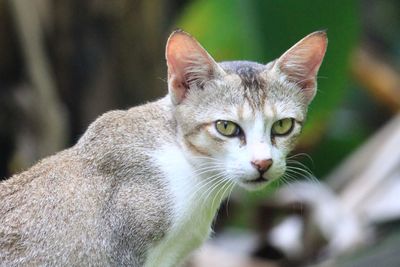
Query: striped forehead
column 247, row 111
column 249, row 77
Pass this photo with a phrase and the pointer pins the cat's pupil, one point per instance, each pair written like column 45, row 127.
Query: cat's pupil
column 225, row 124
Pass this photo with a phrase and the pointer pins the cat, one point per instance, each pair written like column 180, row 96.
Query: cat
column 141, row 186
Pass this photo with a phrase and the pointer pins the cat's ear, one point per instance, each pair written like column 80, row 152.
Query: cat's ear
column 300, row 64
column 189, row 65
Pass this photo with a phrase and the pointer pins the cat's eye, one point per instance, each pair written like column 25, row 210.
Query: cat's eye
column 227, row 128
column 282, row 127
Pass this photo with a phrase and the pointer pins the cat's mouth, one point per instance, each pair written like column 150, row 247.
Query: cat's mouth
column 256, row 181
column 254, row 184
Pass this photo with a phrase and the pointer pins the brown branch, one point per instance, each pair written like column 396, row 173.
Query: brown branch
column 49, row 112
column 379, row 78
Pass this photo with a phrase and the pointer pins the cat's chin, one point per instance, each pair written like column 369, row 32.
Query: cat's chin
column 253, row 185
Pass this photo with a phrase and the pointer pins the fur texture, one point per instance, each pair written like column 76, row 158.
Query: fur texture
column 141, row 187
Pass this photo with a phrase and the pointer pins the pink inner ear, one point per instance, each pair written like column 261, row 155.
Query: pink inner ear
column 188, row 63
column 180, row 53
column 179, row 48
column 301, row 63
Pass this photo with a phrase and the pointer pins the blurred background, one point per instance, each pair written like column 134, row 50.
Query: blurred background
column 65, row 62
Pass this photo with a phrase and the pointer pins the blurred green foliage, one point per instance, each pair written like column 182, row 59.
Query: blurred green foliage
column 261, row 30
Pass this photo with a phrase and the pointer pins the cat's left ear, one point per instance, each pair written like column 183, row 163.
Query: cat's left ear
column 189, row 65
column 300, row 64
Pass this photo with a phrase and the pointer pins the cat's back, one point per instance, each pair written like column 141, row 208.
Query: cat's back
column 45, row 176
column 46, row 211
column 147, row 124
column 80, row 201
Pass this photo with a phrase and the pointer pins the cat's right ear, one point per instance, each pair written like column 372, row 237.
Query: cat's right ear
column 189, row 65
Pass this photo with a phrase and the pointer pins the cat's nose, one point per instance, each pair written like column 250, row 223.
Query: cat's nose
column 262, row 165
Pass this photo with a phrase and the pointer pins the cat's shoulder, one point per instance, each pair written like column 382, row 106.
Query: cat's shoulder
column 140, row 115
column 133, row 119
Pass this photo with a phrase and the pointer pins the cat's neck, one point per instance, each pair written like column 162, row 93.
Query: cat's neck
column 195, row 198
column 194, row 189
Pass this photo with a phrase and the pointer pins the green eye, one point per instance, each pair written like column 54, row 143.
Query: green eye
column 282, row 127
column 227, row 128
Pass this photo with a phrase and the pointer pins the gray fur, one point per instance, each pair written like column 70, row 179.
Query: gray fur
column 249, row 73
column 99, row 203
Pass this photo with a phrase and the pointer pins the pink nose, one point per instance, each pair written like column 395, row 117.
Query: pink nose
column 262, row 165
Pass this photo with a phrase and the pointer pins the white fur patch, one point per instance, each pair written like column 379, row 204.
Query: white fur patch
column 192, row 218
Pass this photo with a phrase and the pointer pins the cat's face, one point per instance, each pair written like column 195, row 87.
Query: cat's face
column 239, row 120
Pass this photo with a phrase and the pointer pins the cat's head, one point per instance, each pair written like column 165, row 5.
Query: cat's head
column 238, row 120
